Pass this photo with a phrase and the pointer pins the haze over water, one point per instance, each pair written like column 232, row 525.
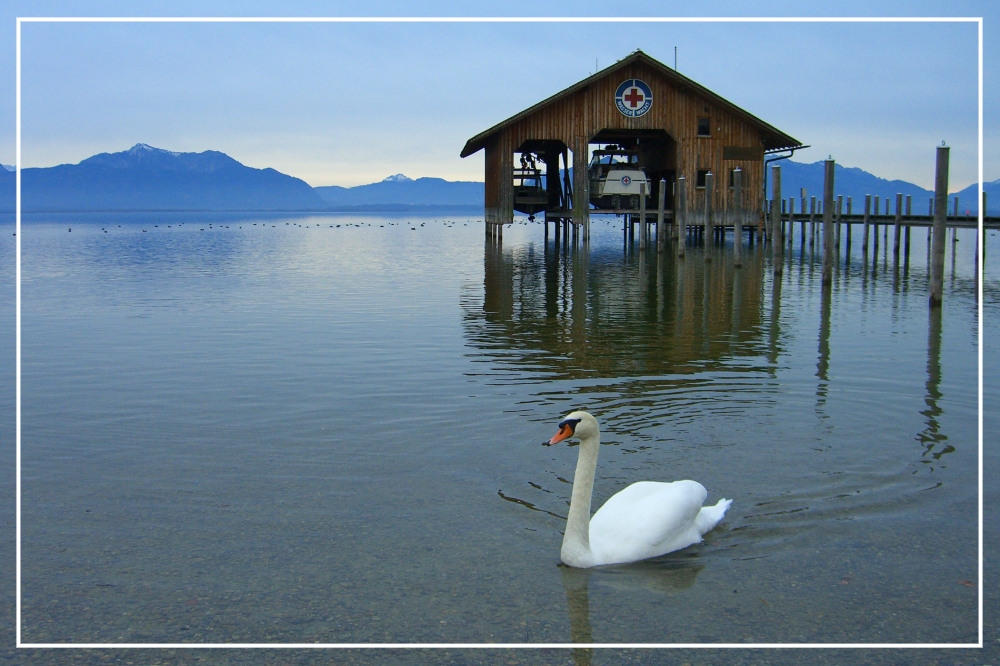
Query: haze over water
column 326, row 429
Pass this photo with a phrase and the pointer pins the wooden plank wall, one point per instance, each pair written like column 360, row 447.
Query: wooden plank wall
column 675, row 110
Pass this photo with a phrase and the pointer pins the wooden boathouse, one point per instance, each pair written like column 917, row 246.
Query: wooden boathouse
column 638, row 111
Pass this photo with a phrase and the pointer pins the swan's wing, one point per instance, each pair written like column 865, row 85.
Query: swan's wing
column 647, row 519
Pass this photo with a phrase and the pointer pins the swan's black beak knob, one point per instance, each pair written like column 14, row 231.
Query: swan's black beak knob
column 565, row 431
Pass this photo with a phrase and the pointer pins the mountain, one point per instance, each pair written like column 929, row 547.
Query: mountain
column 856, row 183
column 399, row 190
column 147, row 178
column 8, row 191
column 970, row 195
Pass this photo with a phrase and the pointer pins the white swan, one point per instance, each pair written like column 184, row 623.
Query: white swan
column 646, row 519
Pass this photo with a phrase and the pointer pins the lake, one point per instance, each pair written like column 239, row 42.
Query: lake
column 301, row 429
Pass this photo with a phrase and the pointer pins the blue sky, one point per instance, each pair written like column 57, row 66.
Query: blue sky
column 349, row 103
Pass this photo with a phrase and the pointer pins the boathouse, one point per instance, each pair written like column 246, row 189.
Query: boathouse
column 637, row 117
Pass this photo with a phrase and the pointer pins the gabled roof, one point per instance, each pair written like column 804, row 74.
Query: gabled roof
column 774, row 139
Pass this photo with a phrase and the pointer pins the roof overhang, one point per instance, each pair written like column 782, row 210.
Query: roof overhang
column 774, row 139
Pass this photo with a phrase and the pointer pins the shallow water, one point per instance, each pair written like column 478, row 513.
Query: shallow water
column 327, row 429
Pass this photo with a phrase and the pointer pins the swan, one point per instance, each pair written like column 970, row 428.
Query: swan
column 644, row 520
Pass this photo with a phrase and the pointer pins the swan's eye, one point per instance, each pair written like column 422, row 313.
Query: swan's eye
column 570, row 423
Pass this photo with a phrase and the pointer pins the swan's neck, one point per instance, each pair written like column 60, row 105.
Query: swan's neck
column 576, row 539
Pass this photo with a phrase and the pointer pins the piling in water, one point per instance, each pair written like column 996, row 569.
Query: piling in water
column 906, row 233
column 681, row 215
column 864, row 241
column 791, row 225
column 709, row 235
column 777, row 242
column 738, row 219
column 828, row 222
column 812, row 221
column 836, row 226
column 895, row 233
column 660, row 230
column 940, row 213
column 643, row 229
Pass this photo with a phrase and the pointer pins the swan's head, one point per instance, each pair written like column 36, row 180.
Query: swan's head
column 580, row 425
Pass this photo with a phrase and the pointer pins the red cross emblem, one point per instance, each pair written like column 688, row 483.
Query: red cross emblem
column 634, row 97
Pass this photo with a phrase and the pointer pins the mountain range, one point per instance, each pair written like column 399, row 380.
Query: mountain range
column 147, row 178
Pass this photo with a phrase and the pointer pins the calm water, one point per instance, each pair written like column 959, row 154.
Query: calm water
column 327, row 429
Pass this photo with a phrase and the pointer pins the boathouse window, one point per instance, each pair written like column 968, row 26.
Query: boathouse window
column 699, row 180
column 704, row 127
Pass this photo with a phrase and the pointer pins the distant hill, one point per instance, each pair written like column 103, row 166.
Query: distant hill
column 147, row 178
column 8, row 192
column 399, row 190
column 970, row 196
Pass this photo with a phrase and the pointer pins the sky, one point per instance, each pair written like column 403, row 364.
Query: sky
column 351, row 103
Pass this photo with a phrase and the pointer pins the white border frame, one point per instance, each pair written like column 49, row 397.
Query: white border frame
column 490, row 19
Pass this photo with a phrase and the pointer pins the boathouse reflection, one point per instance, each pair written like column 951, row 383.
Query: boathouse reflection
column 576, row 312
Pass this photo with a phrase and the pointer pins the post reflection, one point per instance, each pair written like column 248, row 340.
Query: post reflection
column 575, row 312
column 933, row 440
column 774, row 328
column 823, row 364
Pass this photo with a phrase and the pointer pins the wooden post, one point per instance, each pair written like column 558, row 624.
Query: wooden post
column 643, row 229
column 906, row 233
column 828, row 222
column 777, row 242
column 738, row 220
column 581, row 181
column 875, row 214
column 940, row 214
column 899, row 221
column 675, row 223
column 760, row 223
column 791, row 225
column 709, row 227
column 680, row 213
column 954, row 230
column 836, row 226
column 849, row 226
column 802, row 220
column 885, row 227
column 660, row 224
column 930, row 227
column 864, row 241
column 812, row 221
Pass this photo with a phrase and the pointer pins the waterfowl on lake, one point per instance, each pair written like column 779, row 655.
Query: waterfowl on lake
column 646, row 519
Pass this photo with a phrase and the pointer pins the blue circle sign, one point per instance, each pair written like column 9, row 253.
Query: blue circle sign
column 626, row 180
column 633, row 98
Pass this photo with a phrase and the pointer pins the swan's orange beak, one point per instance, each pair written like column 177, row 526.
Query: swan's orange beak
column 565, row 431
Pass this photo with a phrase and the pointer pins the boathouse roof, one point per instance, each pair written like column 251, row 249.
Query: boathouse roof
column 772, row 137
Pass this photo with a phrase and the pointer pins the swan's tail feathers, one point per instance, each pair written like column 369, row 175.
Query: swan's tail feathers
column 709, row 516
